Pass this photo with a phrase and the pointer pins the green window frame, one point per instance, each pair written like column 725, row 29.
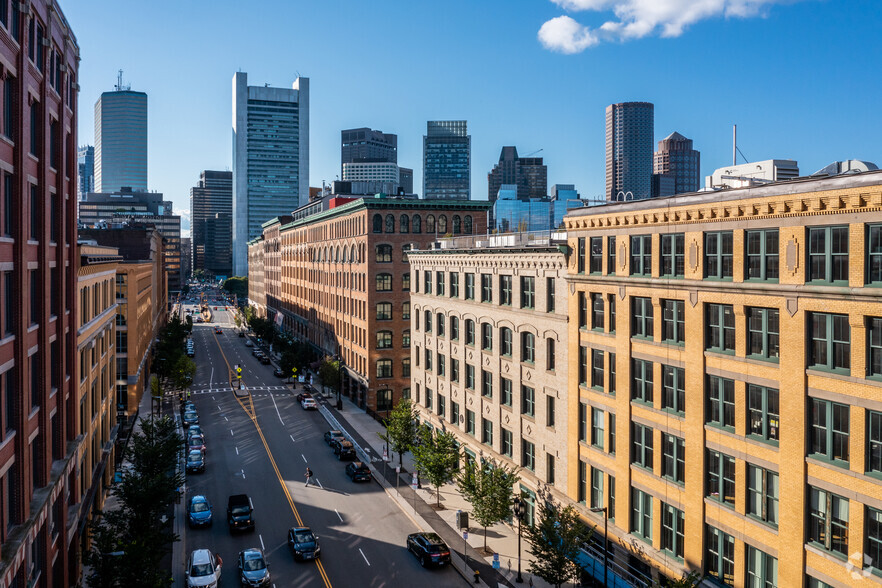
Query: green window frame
column 454, row 413
column 441, row 362
column 597, row 476
column 549, row 294
column 583, row 422
column 429, row 396
column 612, row 433
column 641, row 445
column 674, row 389
column 486, row 337
column 405, row 282
column 506, row 391
column 672, row 256
column 505, row 339
column 720, row 477
column 597, row 311
column 442, row 405
column 828, row 255
column 507, row 443
column 439, row 322
column 596, row 255
column 763, row 333
column 528, row 292
column 580, row 252
column 427, row 282
column 641, row 255
column 874, row 443
column 505, row 290
column 673, row 534
column 641, row 514
column 583, row 482
column 384, row 282
column 641, row 380
column 384, row 339
column 598, row 432
column 762, row 569
column 583, row 310
column 454, row 284
column 486, row 288
column 674, row 458
column 470, row 286
column 720, row 331
column 486, row 432
column 674, row 321
column 761, row 255
column 611, row 384
column 428, row 360
column 721, row 402
column 454, row 328
column 470, row 377
column 439, row 283
column 720, row 556
column 528, row 401
column 486, row 384
column 874, row 538
column 611, row 256
column 642, row 317
column 528, row 347
column 830, row 429
column 469, row 332
column 874, row 347
column 454, row 370
column 470, row 422
column 874, row 256
column 828, row 521
column 612, row 313
column 583, row 365
column 830, row 342
column 528, row 455
column 762, row 494
column 718, row 255
column 763, row 416
column 597, row 369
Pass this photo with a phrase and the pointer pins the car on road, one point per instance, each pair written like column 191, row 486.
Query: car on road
column 194, row 430
column 188, row 405
column 278, row 373
column 203, row 569
column 241, row 333
column 333, row 435
column 302, row 396
column 198, row 511
column 240, row 513
column 190, row 418
column 264, row 359
column 257, row 353
column 303, row 544
column 358, row 472
column 191, row 352
column 429, row 549
column 195, row 461
column 196, row 443
column 308, row 404
column 253, row 570
column 248, row 343
column 344, row 449
column 219, row 331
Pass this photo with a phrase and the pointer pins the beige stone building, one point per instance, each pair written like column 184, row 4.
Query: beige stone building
column 489, row 352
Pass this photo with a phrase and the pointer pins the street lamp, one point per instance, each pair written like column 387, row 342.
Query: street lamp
column 519, row 509
column 603, row 509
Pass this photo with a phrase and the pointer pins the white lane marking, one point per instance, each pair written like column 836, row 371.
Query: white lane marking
column 243, row 477
column 237, row 451
column 226, row 419
column 231, row 432
column 322, row 487
column 304, row 458
column 292, row 438
column 262, row 546
column 364, row 556
column 218, row 407
column 277, row 409
column 338, row 515
column 211, row 377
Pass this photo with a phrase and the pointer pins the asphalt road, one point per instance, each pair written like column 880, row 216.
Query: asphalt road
column 362, row 532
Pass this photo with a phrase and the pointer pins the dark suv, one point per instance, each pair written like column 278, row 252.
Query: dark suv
column 303, row 544
column 344, row 449
column 429, row 549
column 358, row 472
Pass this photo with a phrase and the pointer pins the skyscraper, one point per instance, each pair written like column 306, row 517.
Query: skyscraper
column 270, row 157
column 676, row 157
column 121, row 140
column 529, row 174
column 629, row 130
column 85, row 170
column 447, row 160
column 405, row 179
column 212, row 195
column 366, row 145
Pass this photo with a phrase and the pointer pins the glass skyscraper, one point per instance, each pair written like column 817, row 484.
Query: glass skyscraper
column 447, row 160
column 85, row 170
column 629, row 134
column 210, row 199
column 121, row 141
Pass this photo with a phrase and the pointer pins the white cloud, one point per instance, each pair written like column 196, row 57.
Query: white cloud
column 635, row 19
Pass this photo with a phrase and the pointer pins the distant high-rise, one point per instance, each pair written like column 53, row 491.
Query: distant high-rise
column 529, row 174
column 212, row 195
column 270, row 158
column 379, row 171
column 85, row 170
column 676, row 157
column 366, row 145
column 447, row 163
column 405, row 179
column 121, row 140
column 629, row 134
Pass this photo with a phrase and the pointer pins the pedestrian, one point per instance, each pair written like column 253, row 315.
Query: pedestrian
column 308, row 476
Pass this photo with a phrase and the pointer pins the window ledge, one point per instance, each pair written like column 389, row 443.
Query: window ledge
column 823, row 552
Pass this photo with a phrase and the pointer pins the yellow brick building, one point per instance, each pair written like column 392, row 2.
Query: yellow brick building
column 726, row 381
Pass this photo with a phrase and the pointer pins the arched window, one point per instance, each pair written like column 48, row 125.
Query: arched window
column 384, row 368
column 486, row 337
column 384, row 339
column 404, row 224
column 470, row 332
column 430, row 223
column 345, row 254
column 384, row 282
column 440, row 322
column 457, row 224
column 384, row 311
column 454, row 328
column 417, row 224
column 337, row 254
column 353, row 256
column 384, row 253
column 528, row 347
column 442, row 224
column 467, row 225
column 427, row 321
column 378, row 223
column 505, row 336
column 390, row 223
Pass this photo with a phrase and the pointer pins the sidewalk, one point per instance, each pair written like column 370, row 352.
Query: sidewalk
column 501, row 538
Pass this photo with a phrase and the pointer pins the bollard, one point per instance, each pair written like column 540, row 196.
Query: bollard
column 477, row 576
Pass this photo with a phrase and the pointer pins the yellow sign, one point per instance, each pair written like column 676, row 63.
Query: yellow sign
column 293, row 370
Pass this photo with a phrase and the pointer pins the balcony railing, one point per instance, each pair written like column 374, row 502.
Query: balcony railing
column 505, row 240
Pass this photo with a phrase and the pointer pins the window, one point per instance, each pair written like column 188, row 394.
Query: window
column 427, row 282
column 583, row 365
column 641, row 321
column 505, row 290
column 427, row 321
column 439, row 283
column 36, row 129
column 596, row 261
column 673, row 389
column 874, row 537
column 528, row 292
column 721, row 402
column 486, row 432
column 9, row 107
column 612, row 374
column 580, row 260
column 8, row 204
column 611, row 256
column 405, row 367
column 528, row 455
column 672, row 259
column 549, row 294
column 405, row 282
column 428, row 360
column 612, row 433
column 528, row 347
column 583, row 310
column 762, row 569
column 405, row 310
column 384, row 339
column 454, row 285
column 583, row 422
column 470, row 286
column 721, row 477
column 384, row 400
column 718, row 255
column 829, row 430
column 384, row 282
column 404, row 224
column 470, row 332
column 384, row 254
column 762, row 333
column 598, row 433
column 762, row 413
column 612, row 313
column 486, row 288
column 36, row 214
column 470, row 377
column 641, row 514
column 874, row 347
column 454, row 370
column 549, row 469
column 762, row 494
column 486, row 384
column 597, row 311
column 377, row 223
column 507, row 446
column 36, row 299
column 874, row 256
column 528, row 401
column 486, row 337
column 762, row 255
column 673, row 458
column 596, row 488
column 384, row 311
column 454, row 413
column 674, row 321
column 874, row 443
column 597, row 369
column 830, row 342
column 439, row 323
column 390, row 223
column 672, row 535
column 828, row 255
column 641, row 383
column 549, row 354
column 430, row 223
column 505, row 341
column 549, row 411
column 641, row 445
column 454, row 328
column 505, row 385
column 828, row 521
column 720, row 556
column 384, row 368
column 641, row 255
column 720, row 328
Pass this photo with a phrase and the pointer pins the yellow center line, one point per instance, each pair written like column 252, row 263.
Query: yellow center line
column 252, row 414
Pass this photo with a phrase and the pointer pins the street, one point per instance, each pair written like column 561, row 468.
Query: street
column 362, row 532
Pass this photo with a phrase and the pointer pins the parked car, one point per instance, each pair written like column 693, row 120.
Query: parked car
column 358, row 472
column 195, row 461
column 333, row 435
column 308, row 404
column 253, row 569
column 196, row 443
column 303, row 544
column 278, row 373
column 191, row 352
column 203, row 569
column 190, row 418
column 344, row 449
column 257, row 353
column 303, row 395
column 428, row 548
column 194, row 430
column 248, row 342
column 198, row 511
column 240, row 513
column 241, row 333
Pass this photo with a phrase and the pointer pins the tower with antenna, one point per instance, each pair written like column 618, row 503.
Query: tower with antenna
column 119, row 87
column 121, row 139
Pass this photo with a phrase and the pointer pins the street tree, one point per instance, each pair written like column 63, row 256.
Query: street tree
column 436, row 456
column 401, row 428
column 183, row 372
column 329, row 373
column 489, row 487
column 555, row 543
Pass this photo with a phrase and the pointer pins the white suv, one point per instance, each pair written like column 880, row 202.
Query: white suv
column 203, row 569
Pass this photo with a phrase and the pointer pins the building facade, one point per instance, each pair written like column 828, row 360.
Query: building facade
column 447, row 160
column 676, row 157
column 371, row 172
column 270, row 157
column 39, row 477
column 489, row 354
column 212, row 195
column 529, row 174
column 121, row 141
column 629, row 133
column 725, row 369
column 757, row 173
column 186, row 259
column 366, row 145
column 85, row 170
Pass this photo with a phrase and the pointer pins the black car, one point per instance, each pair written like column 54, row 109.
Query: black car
column 303, row 544
column 429, row 548
column 332, row 435
column 344, row 449
column 240, row 511
column 257, row 353
column 253, row 570
column 264, row 359
column 241, row 333
column 278, row 373
column 195, row 461
column 358, row 472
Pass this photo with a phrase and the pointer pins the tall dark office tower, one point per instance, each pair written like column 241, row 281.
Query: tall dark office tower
column 85, row 170
column 529, row 174
column 218, row 233
column 366, row 145
column 121, row 140
column 629, row 129
column 212, row 195
column 447, row 160
column 405, row 179
column 676, row 157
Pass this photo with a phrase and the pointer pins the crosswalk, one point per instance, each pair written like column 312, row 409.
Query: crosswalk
column 266, row 389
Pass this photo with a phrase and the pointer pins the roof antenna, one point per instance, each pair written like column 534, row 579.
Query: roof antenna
column 119, row 83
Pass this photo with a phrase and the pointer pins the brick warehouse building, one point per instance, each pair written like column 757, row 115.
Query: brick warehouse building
column 728, row 349
column 39, row 493
column 339, row 275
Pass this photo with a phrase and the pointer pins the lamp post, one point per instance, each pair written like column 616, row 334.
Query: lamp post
column 603, row 509
column 519, row 511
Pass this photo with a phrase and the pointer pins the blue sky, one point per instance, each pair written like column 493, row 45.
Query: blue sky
column 800, row 78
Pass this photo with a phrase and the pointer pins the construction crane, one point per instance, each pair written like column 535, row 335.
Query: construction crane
column 533, row 153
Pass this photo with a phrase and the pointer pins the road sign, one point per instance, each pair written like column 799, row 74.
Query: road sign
column 413, row 483
column 465, row 535
column 495, row 561
column 294, row 371
column 385, row 455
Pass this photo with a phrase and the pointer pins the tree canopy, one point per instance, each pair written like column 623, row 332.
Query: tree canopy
column 488, row 486
column 436, row 456
column 556, row 541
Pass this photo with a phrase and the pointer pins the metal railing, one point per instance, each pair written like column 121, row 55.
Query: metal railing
column 502, row 240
